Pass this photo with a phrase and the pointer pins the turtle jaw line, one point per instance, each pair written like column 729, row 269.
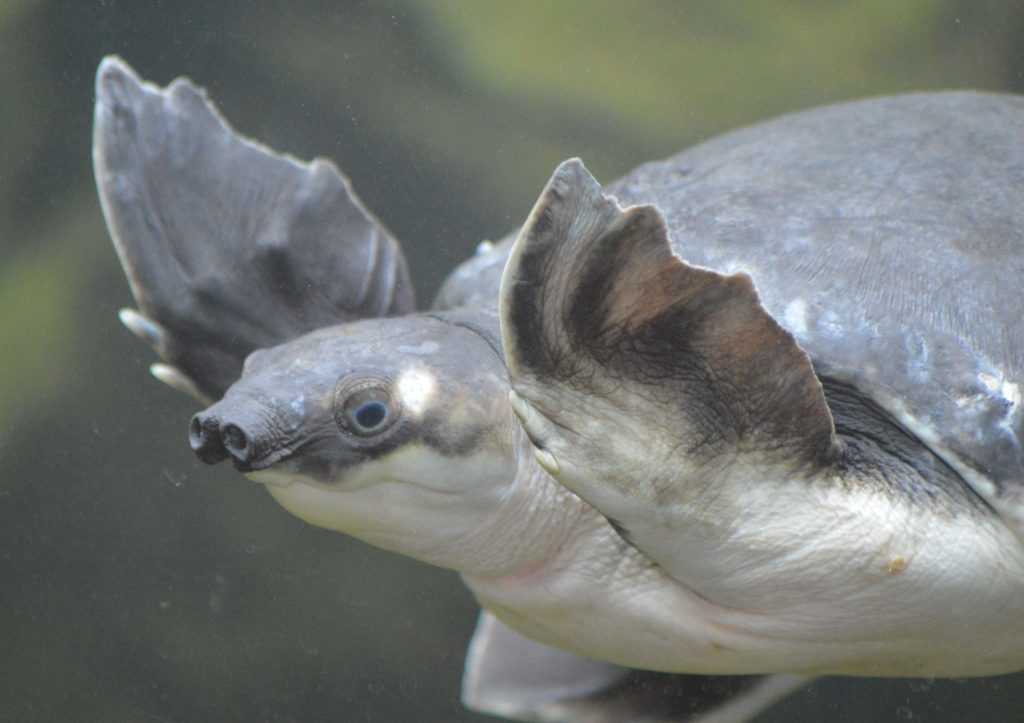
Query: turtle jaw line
column 261, row 464
column 268, row 478
column 282, row 478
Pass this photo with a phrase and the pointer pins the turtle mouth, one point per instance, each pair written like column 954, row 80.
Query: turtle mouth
column 273, row 479
column 257, row 465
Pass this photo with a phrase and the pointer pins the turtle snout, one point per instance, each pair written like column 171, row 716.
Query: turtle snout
column 214, row 437
column 205, row 439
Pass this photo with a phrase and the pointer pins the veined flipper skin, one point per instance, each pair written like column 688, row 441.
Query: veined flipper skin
column 228, row 246
column 512, row 676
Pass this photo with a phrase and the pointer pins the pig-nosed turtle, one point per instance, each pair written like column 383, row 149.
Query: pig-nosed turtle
column 629, row 453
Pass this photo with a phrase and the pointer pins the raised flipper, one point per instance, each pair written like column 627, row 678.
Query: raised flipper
column 641, row 379
column 228, row 246
column 511, row 676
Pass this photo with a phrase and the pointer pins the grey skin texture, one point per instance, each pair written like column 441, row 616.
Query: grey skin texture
column 887, row 236
column 222, row 268
column 829, row 212
column 286, row 416
column 232, row 251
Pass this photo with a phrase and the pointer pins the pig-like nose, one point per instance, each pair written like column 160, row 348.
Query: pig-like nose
column 214, row 437
column 255, row 432
column 236, row 442
column 244, row 432
column 205, row 439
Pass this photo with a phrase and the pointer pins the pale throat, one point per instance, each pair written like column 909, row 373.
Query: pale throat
column 484, row 514
column 536, row 520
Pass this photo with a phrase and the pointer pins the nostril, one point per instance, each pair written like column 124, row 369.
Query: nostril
column 204, row 439
column 195, row 433
column 235, row 441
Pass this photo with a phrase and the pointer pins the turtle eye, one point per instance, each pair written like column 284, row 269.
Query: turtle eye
column 364, row 406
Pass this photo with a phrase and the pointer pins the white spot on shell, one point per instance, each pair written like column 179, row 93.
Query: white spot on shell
column 1011, row 392
column 427, row 347
column 416, row 387
column 919, row 363
column 989, row 381
column 830, row 325
column 1006, row 389
column 484, row 247
column 962, row 402
column 796, row 316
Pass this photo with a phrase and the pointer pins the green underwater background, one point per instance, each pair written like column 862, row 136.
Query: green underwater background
column 137, row 584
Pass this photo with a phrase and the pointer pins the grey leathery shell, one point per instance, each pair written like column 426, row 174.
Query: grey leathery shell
column 888, row 236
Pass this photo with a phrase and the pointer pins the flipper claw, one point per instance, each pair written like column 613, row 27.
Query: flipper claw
column 176, row 380
column 149, row 331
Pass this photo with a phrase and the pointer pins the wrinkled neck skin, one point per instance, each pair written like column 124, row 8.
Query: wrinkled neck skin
column 854, row 610
column 487, row 514
column 818, row 586
column 847, row 572
column 871, row 567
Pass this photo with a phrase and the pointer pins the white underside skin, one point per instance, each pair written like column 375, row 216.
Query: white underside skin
column 813, row 581
column 783, row 576
column 444, row 511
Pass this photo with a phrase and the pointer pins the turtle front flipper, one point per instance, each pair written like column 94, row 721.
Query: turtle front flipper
column 228, row 246
column 514, row 677
column 642, row 380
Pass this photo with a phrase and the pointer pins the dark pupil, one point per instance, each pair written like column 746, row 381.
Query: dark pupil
column 370, row 414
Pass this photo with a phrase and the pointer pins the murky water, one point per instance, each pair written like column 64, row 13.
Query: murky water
column 137, row 585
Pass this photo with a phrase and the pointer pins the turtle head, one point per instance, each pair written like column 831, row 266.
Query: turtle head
column 397, row 431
